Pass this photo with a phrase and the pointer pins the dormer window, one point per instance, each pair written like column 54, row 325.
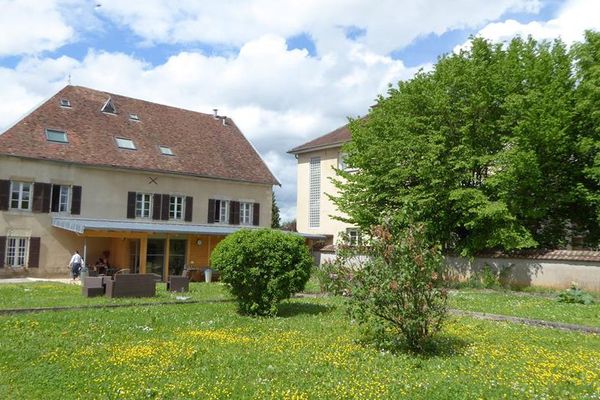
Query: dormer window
column 65, row 103
column 109, row 107
column 134, row 117
column 53, row 135
column 125, row 143
column 166, row 150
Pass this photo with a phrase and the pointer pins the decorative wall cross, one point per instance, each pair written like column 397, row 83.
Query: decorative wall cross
column 152, row 180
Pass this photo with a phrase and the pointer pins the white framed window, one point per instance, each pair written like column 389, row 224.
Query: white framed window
column 223, row 213
column 20, row 195
column 314, row 199
column 354, row 238
column 246, row 211
column 16, row 252
column 143, row 205
column 65, row 103
column 125, row 143
column 176, row 207
column 64, row 198
column 342, row 161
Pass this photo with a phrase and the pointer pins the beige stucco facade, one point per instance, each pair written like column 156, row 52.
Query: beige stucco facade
column 104, row 196
column 327, row 224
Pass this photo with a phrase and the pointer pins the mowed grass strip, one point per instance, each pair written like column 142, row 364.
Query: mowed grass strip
column 308, row 352
column 544, row 307
column 54, row 294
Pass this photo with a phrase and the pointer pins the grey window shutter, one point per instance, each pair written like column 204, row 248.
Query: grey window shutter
column 211, row 211
column 76, row 200
column 234, row 213
column 2, row 250
column 131, row 204
column 189, row 208
column 156, row 205
column 4, row 194
column 55, row 198
column 256, row 214
column 34, row 252
column 166, row 202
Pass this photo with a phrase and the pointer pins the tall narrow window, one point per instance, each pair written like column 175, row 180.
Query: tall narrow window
column 64, row 197
column 246, row 213
column 16, row 252
column 314, row 200
column 176, row 207
column 143, row 205
column 223, row 211
column 20, row 195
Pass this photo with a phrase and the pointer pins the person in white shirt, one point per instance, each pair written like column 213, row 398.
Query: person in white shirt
column 75, row 264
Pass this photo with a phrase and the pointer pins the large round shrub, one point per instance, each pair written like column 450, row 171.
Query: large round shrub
column 262, row 267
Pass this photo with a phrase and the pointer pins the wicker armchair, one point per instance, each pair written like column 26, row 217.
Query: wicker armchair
column 92, row 286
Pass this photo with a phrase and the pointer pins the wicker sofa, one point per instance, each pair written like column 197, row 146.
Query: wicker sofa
column 131, row 285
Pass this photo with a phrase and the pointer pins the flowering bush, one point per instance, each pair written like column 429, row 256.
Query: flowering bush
column 397, row 289
column 262, row 267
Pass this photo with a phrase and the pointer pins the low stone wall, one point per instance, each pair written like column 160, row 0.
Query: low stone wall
column 532, row 272
column 521, row 272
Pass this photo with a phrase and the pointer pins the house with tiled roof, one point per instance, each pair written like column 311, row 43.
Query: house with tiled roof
column 152, row 187
column 317, row 161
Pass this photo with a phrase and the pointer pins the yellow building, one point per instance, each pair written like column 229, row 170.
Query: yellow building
column 151, row 187
column 317, row 161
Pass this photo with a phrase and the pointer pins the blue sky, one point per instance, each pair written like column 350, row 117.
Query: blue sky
column 286, row 71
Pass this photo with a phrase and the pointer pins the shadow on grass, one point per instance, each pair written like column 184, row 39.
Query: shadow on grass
column 291, row 309
column 442, row 346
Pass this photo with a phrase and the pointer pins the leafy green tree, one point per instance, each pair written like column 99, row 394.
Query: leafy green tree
column 482, row 148
column 275, row 218
column 587, row 127
column 262, row 267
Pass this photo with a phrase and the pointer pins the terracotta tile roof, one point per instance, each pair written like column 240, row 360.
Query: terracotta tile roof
column 566, row 255
column 202, row 145
column 339, row 136
column 557, row 255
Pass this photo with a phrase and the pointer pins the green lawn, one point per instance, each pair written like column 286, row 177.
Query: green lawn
column 544, row 307
column 208, row 351
column 49, row 294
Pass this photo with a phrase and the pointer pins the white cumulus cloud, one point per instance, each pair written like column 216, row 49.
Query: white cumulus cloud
column 32, row 26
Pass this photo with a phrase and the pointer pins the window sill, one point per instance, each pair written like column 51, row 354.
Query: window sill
column 15, row 211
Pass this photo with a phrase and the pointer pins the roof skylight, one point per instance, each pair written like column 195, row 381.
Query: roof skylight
column 65, row 103
column 109, row 107
column 53, row 135
column 166, row 150
column 134, row 117
column 125, row 143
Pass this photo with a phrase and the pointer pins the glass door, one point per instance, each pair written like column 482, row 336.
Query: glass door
column 155, row 257
column 177, row 249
